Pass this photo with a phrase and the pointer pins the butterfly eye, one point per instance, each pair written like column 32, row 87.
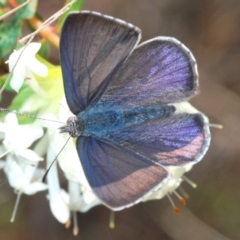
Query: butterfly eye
column 74, row 127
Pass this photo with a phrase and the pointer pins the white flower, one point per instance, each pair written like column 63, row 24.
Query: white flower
column 52, row 142
column 58, row 205
column 18, row 138
column 80, row 196
column 24, row 177
column 171, row 184
column 21, row 162
column 22, row 63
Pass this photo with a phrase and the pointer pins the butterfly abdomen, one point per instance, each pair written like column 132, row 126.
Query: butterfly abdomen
column 141, row 114
column 100, row 123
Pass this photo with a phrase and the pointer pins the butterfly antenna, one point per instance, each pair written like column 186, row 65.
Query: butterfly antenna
column 46, row 173
column 29, row 116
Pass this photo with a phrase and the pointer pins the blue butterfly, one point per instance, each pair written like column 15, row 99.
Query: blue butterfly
column 121, row 93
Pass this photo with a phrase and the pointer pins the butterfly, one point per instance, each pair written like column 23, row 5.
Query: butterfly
column 122, row 94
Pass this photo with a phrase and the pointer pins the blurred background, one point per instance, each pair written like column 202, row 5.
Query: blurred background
column 211, row 30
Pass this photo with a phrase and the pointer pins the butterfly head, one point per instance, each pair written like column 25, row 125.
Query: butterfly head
column 74, row 127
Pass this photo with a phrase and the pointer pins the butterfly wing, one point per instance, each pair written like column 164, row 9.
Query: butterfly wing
column 128, row 165
column 161, row 70
column 93, row 47
column 176, row 140
column 98, row 67
column 120, row 178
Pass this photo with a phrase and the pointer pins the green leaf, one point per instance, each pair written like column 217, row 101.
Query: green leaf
column 3, row 79
column 45, row 49
column 21, row 97
column 44, row 61
column 3, row 3
column 28, row 11
column 77, row 6
column 11, row 30
column 9, row 33
column 17, row 103
column 3, row 10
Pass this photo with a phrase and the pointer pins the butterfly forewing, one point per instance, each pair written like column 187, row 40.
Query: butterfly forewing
column 93, row 47
column 161, row 70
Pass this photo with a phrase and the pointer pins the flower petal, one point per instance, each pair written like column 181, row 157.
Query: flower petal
column 14, row 172
column 29, row 155
column 35, row 187
column 30, row 133
column 59, row 209
column 11, row 120
column 32, row 48
column 37, row 67
column 58, row 206
column 23, row 59
column 17, row 78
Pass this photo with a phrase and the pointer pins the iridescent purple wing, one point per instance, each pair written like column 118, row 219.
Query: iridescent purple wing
column 120, row 178
column 161, row 70
column 176, row 140
column 102, row 73
column 93, row 47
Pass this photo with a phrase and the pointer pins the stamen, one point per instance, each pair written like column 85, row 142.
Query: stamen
column 111, row 220
column 75, row 224
column 181, row 199
column 175, row 208
column 190, row 182
column 219, row 126
column 68, row 224
column 16, row 207
column 183, row 192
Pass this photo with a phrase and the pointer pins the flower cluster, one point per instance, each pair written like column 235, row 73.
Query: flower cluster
column 21, row 163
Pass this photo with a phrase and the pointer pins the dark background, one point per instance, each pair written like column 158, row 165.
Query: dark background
column 211, row 30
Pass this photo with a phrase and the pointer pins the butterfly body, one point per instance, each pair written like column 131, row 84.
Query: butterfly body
column 101, row 122
column 122, row 94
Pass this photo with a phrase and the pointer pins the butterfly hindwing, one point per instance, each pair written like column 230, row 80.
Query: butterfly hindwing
column 93, row 47
column 118, row 177
column 175, row 140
